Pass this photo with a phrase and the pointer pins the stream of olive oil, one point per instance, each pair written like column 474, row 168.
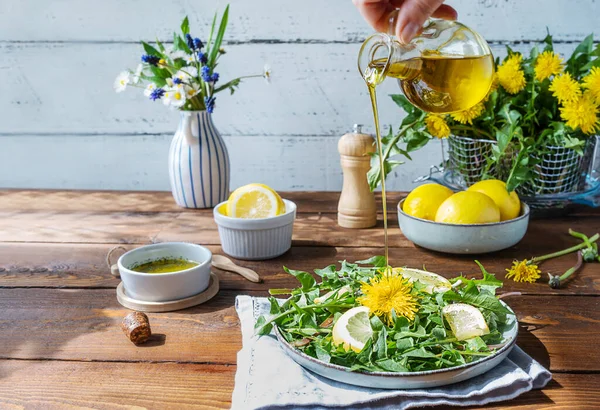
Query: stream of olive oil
column 373, row 96
column 435, row 84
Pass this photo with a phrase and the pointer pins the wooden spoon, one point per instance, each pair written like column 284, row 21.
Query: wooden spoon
column 222, row 262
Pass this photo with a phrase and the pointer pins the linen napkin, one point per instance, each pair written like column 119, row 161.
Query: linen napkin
column 266, row 378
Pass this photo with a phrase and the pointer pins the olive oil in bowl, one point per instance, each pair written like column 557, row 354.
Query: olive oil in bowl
column 164, row 265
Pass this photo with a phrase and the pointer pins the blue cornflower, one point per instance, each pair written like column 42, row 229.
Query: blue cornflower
column 193, row 43
column 150, row 59
column 203, row 58
column 210, row 104
column 190, row 41
column 215, row 77
column 157, row 94
column 177, row 80
column 206, row 73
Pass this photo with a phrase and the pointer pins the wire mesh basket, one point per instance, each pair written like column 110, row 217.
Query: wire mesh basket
column 562, row 177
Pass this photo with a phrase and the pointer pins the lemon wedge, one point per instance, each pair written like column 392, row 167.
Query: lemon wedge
column 353, row 329
column 435, row 283
column 255, row 201
column 466, row 321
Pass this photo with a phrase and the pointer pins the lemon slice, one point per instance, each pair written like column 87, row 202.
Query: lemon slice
column 435, row 283
column 353, row 329
column 340, row 292
column 255, row 201
column 465, row 321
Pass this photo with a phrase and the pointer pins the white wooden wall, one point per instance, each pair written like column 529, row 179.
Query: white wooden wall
column 62, row 125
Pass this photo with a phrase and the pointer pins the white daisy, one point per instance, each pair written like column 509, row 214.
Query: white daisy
column 267, row 73
column 191, row 70
column 190, row 59
column 175, row 54
column 149, row 88
column 138, row 73
column 121, row 81
column 191, row 90
column 174, row 97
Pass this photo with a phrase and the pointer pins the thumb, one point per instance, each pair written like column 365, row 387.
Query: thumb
column 412, row 16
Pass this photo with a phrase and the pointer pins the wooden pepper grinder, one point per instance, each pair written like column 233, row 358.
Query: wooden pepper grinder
column 356, row 208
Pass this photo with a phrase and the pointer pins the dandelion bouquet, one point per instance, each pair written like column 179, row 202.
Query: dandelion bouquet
column 368, row 317
column 183, row 76
column 534, row 102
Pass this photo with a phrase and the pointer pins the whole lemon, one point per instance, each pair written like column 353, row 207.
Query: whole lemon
column 424, row 201
column 468, row 207
column 509, row 203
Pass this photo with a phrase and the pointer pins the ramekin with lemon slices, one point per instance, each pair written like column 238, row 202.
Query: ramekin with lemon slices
column 255, row 223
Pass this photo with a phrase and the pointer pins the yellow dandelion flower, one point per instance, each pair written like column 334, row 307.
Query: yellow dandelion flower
column 436, row 126
column 523, row 272
column 510, row 75
column 389, row 292
column 565, row 88
column 467, row 116
column 548, row 64
column 581, row 113
column 592, row 83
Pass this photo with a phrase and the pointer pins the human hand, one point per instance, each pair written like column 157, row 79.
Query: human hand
column 411, row 14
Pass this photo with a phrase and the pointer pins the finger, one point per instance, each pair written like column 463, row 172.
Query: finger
column 445, row 12
column 375, row 12
column 412, row 15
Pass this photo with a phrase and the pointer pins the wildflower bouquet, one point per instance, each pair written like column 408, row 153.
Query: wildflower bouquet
column 184, row 76
column 403, row 328
column 534, row 102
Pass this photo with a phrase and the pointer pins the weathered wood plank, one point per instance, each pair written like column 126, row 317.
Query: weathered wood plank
column 42, row 385
column 57, row 385
column 316, row 91
column 161, row 201
column 310, row 20
column 82, row 265
column 140, row 201
column 310, row 229
column 84, row 325
column 302, row 163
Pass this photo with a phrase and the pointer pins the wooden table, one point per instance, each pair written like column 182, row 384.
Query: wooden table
column 61, row 345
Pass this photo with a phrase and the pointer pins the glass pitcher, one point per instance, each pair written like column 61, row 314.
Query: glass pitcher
column 446, row 68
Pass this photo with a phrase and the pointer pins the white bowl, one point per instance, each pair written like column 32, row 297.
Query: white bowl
column 256, row 239
column 464, row 239
column 165, row 286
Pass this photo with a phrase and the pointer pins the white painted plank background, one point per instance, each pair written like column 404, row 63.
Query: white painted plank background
column 62, row 126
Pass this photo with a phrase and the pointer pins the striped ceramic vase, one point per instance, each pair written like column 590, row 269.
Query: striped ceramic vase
column 198, row 162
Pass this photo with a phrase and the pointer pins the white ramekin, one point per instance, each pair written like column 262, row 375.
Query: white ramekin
column 256, row 239
column 165, row 286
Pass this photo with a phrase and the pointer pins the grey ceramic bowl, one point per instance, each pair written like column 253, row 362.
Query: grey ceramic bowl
column 464, row 239
column 406, row 380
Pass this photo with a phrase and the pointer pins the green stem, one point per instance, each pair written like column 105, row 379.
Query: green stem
column 280, row 291
column 313, row 306
column 563, row 252
column 514, row 167
column 472, row 129
column 555, row 282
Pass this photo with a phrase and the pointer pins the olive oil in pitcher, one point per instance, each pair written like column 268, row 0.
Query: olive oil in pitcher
column 448, row 68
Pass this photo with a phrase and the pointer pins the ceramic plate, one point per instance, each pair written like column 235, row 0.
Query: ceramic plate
column 406, row 380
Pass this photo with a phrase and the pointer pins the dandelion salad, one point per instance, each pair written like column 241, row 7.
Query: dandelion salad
column 372, row 318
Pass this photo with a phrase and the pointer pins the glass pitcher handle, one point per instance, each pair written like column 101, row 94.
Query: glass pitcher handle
column 392, row 20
